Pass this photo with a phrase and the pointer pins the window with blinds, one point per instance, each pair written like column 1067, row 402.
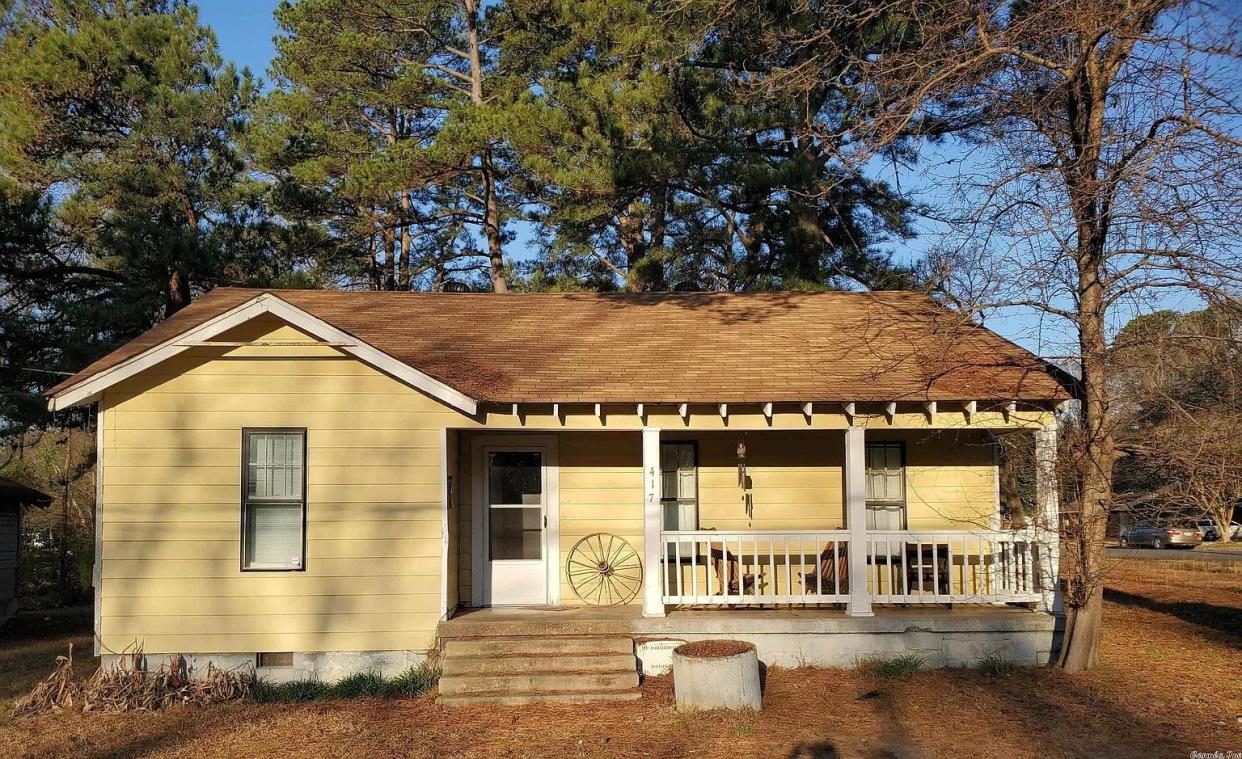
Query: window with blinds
column 679, row 486
column 274, row 499
column 886, row 487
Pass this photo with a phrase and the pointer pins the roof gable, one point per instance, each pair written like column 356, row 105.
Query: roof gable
column 157, row 345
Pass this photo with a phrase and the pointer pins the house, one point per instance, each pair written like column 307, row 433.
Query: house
column 325, row 482
column 14, row 496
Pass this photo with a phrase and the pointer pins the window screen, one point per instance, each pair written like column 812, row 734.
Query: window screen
column 679, row 486
column 886, row 499
column 274, row 499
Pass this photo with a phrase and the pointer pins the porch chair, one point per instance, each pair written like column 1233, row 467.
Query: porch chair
column 927, row 564
column 828, row 571
column 723, row 561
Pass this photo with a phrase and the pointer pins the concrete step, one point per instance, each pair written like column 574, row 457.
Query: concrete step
column 541, row 682
column 554, row 697
column 521, row 646
column 513, row 665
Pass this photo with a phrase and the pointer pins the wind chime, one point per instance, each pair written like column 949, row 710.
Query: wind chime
column 743, row 478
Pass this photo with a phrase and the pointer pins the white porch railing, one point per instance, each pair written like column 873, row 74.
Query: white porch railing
column 755, row 567
column 952, row 566
column 766, row 567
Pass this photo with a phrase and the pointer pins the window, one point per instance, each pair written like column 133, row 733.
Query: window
column 273, row 499
column 679, row 486
column 515, row 505
column 886, row 497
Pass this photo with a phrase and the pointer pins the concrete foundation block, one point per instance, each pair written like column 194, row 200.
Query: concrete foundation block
column 327, row 666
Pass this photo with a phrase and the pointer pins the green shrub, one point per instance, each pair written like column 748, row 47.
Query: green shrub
column 993, row 665
column 360, row 685
column 907, row 665
column 413, row 682
column 295, row 690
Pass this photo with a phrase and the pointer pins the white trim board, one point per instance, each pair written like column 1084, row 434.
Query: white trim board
column 97, row 566
column 445, row 528
column 265, row 303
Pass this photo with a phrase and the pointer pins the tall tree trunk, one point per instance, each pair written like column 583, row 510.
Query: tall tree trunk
column 1096, row 460
column 1085, row 105
column 65, row 588
column 405, row 263
column 1085, row 555
column 491, row 203
column 373, row 266
column 659, row 215
column 177, row 295
column 390, row 269
column 659, row 234
column 491, row 227
column 630, row 235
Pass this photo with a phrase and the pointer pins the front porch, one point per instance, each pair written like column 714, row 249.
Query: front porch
column 788, row 637
column 781, row 517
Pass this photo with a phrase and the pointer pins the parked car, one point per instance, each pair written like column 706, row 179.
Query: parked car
column 1210, row 531
column 1161, row 537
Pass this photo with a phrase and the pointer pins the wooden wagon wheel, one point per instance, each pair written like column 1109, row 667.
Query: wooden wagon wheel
column 604, row 570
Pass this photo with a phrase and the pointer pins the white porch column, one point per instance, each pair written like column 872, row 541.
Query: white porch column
column 653, row 522
column 855, row 476
column 1047, row 518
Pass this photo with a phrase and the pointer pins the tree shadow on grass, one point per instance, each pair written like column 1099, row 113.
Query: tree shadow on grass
column 1226, row 619
column 817, row 750
column 179, row 728
column 1061, row 716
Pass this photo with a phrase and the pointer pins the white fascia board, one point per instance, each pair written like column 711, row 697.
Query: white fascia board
column 263, row 304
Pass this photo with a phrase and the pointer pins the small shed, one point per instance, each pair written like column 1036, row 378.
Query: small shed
column 13, row 497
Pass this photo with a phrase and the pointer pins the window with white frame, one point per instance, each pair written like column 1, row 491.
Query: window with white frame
column 886, row 486
column 679, row 486
column 274, row 499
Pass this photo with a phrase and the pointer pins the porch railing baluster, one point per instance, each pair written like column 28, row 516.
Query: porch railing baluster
column 996, row 568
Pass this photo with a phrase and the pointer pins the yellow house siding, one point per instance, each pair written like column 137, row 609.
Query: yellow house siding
column 950, row 478
column 795, row 480
column 601, row 490
column 171, row 577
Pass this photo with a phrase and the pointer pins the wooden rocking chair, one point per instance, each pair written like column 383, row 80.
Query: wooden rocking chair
column 823, row 580
column 735, row 584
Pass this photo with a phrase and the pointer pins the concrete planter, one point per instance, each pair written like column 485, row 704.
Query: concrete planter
column 716, row 674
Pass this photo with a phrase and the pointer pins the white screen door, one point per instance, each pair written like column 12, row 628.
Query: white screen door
column 515, row 509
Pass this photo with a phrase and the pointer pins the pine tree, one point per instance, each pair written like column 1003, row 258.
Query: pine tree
column 382, row 127
column 124, row 114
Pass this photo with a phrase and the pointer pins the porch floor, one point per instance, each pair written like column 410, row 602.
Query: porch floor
column 628, row 620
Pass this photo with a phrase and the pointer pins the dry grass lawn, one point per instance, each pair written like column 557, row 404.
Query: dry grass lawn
column 1170, row 682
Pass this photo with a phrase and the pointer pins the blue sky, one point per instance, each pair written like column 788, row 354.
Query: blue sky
column 245, row 29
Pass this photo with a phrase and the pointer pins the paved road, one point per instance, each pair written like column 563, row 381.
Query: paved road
column 1234, row 554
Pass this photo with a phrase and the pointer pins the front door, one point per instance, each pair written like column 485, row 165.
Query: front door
column 515, row 512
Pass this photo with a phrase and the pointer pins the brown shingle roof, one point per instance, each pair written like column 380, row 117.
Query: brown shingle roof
column 663, row 347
